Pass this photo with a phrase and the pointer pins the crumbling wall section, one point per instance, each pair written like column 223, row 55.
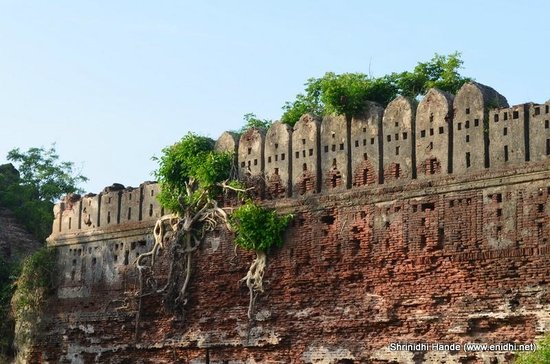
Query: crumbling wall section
column 359, row 270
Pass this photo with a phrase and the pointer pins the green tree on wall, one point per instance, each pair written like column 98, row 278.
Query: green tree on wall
column 346, row 93
column 193, row 177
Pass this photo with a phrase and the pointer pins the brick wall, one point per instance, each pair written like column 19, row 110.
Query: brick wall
column 449, row 260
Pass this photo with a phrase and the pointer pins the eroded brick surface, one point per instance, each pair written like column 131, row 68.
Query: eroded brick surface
column 452, row 260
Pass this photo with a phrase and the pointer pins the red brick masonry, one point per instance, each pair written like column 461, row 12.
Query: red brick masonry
column 455, row 260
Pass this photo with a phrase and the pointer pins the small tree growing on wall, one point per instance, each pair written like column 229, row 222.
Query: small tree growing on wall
column 192, row 176
column 257, row 229
column 346, row 93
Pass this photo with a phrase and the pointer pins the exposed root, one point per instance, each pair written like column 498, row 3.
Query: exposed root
column 183, row 232
column 254, row 280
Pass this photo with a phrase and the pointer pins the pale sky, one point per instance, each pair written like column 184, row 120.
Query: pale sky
column 113, row 82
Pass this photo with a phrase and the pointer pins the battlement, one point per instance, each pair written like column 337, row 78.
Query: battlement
column 441, row 138
column 425, row 220
column 115, row 207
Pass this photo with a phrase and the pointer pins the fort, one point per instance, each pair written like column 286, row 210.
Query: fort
column 424, row 222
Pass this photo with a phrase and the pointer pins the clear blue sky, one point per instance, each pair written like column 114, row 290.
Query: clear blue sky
column 113, row 82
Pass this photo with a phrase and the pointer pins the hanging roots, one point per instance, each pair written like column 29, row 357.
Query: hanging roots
column 254, row 280
column 184, row 231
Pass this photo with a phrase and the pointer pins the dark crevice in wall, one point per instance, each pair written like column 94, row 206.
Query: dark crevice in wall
column 99, row 210
column 140, row 215
column 349, row 172
column 119, row 205
column 380, row 150
column 526, row 132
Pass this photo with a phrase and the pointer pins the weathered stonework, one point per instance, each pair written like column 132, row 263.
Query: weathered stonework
column 539, row 131
column 399, row 138
column 15, row 241
column 454, row 257
column 334, row 155
column 251, row 153
column 366, row 164
column 278, row 171
column 306, row 159
column 507, row 131
column 470, row 126
column 434, row 134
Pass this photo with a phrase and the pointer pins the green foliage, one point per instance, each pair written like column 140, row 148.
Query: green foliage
column 539, row 356
column 440, row 72
column 34, row 284
column 35, row 281
column 251, row 121
column 42, row 171
column 310, row 102
column 192, row 157
column 257, row 228
column 8, row 272
column 346, row 93
column 30, row 192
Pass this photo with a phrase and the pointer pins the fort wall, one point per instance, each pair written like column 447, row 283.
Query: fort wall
column 398, row 236
column 441, row 136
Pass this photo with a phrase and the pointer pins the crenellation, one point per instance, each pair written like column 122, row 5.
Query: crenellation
column 251, row 153
column 334, row 153
column 115, row 207
column 110, row 203
column 278, row 170
column 398, row 140
column 227, row 142
column 150, row 205
column 130, row 199
column 89, row 212
column 439, row 138
column 366, row 150
column 70, row 209
column 434, row 134
column 306, row 161
column 470, row 142
column 507, row 137
column 251, row 161
column 539, row 131
column 451, row 254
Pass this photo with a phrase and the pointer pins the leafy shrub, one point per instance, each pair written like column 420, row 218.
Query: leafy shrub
column 539, row 356
column 35, row 281
column 346, row 93
column 34, row 284
column 257, row 228
column 8, row 272
column 193, row 157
